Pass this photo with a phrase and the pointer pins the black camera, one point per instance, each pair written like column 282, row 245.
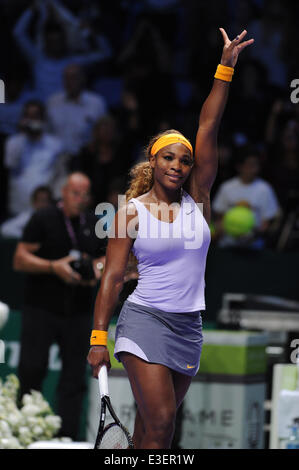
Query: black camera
column 82, row 265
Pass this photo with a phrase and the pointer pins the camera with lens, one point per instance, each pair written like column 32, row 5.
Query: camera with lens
column 82, row 265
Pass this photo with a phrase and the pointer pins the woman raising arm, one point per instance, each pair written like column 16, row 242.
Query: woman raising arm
column 206, row 156
column 159, row 330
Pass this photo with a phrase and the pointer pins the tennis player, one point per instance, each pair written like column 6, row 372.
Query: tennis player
column 159, row 330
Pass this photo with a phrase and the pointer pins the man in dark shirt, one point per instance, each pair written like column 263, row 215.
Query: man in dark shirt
column 58, row 300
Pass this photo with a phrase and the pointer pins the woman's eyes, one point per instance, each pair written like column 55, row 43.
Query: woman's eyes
column 185, row 161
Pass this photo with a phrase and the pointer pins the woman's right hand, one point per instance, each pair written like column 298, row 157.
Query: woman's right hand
column 98, row 356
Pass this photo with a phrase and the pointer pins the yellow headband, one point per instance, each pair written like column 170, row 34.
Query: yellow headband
column 169, row 139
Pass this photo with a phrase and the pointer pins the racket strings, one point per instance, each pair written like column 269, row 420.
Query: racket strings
column 114, row 437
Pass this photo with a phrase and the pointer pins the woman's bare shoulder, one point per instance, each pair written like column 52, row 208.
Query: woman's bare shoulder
column 126, row 218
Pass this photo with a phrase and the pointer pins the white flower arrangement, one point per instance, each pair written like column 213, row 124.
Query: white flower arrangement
column 34, row 421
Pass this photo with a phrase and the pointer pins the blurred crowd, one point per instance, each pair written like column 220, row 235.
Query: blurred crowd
column 88, row 82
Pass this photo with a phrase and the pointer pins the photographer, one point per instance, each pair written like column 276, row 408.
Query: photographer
column 60, row 252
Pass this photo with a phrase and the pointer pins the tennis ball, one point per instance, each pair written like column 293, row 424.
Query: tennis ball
column 238, row 221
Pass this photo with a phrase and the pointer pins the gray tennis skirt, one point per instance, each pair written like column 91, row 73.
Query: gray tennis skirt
column 172, row 339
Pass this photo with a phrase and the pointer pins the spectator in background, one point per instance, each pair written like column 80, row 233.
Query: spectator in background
column 268, row 32
column 73, row 111
column 79, row 27
column 249, row 190
column 49, row 59
column 225, row 163
column 146, row 65
column 58, row 298
column 16, row 95
column 164, row 15
column 282, row 155
column 128, row 117
column 103, row 158
column 31, row 157
column 40, row 198
column 255, row 95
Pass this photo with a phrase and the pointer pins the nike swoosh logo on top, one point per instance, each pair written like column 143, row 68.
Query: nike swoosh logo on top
column 190, row 367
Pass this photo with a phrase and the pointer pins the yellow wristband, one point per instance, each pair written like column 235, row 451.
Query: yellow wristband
column 224, row 73
column 98, row 338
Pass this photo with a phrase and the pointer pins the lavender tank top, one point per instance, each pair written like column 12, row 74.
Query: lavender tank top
column 171, row 258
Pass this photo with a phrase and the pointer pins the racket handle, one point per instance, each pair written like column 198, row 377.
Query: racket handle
column 103, row 381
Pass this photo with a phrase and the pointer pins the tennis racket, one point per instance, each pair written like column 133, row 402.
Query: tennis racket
column 114, row 435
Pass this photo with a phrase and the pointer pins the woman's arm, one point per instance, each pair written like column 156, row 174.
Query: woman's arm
column 205, row 156
column 117, row 255
column 112, row 281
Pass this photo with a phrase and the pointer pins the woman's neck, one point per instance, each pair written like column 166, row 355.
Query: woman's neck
column 159, row 194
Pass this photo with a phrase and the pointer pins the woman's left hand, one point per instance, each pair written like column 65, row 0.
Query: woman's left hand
column 232, row 49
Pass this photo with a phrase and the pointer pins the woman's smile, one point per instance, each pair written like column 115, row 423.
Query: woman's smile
column 174, row 178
